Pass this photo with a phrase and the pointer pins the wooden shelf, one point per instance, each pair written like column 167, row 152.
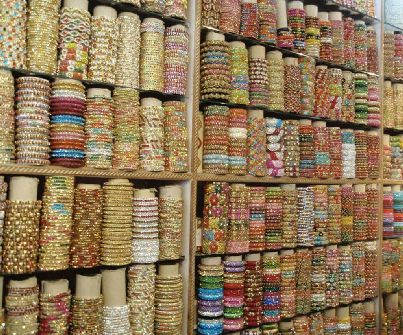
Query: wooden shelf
column 392, row 182
column 279, row 180
column 90, row 172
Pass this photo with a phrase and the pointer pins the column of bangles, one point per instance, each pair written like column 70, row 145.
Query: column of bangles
column 42, row 35
column 360, row 42
column 373, row 152
column 370, row 323
column 128, row 51
column 305, row 216
column 358, row 278
column 307, row 68
column 238, row 223
column 215, row 75
column 140, row 298
column 322, row 157
column 267, row 21
column 320, row 215
column 86, row 315
column 271, row 287
column 345, row 275
column 396, row 158
column 312, row 41
column 249, row 20
column 360, row 225
column 257, row 218
column 234, row 274
column 332, row 277
column 237, row 146
column 290, row 218
column 372, row 50
column 15, row 15
column 361, row 164
column 157, row 6
column 398, row 102
column 335, row 93
column 285, row 39
column 152, row 138
column 296, row 22
column 7, row 115
column 103, row 50
column 301, row 325
column 292, row 88
column 258, row 82
column 170, row 222
column 291, row 148
column 116, row 320
column 349, row 49
column 144, row 239
column 387, row 160
column 176, row 136
column 288, row 282
column 67, row 138
column 21, row 236
column 56, row 223
column 337, row 41
column 275, row 147
column 230, row 17
column 239, row 67
column 253, row 293
column 357, row 318
column 388, row 105
column 347, row 213
column 318, row 279
column 22, row 307
column 215, row 139
column 388, row 217
column 372, row 213
column 210, row 15
column 361, row 98
column 256, row 146
column 348, row 153
column 335, row 152
column 274, row 217
column 210, row 295
column 215, row 218
column 398, row 213
column 32, row 121
column 316, row 323
column 117, row 213
column 176, row 45
column 388, row 54
column 152, row 55
column 303, row 281
column 398, row 71
column 176, row 8
column 374, row 103
column 99, row 132
column 168, row 302
column 390, row 253
column 329, row 324
column 86, row 230
column 54, row 313
column 126, row 129
column 74, row 42
column 334, row 214
column 307, row 151
column 275, row 68
column 3, row 197
column 322, row 92
column 348, row 87
column 326, row 41
column 371, row 273
column 343, row 325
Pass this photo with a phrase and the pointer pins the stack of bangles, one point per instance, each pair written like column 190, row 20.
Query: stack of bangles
column 296, row 20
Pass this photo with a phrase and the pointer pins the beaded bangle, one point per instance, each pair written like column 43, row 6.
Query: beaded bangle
column 360, row 225
column 54, row 312
column 360, row 41
column 256, row 146
column 257, row 218
column 398, row 59
column 288, row 285
column 238, row 61
column 322, row 93
column 237, row 146
column 316, row 323
column 335, row 93
column 275, row 147
column 334, row 214
column 267, row 21
column 329, row 325
column 312, row 36
column 371, row 273
column 176, row 8
column 361, row 98
column 348, row 153
column 389, row 54
column 387, row 161
column 388, row 217
column 326, row 41
column 374, row 107
column 358, row 278
column 292, row 89
column 258, row 82
column 337, row 41
column 305, row 216
column 7, row 115
column 372, row 213
column 157, row 6
column 318, row 279
column 274, row 217
column 116, row 320
column 307, row 151
column 348, row 89
column 347, row 210
column 86, row 315
column 307, row 68
column 345, row 275
column 396, row 158
column 361, row 164
column 296, row 22
column 230, row 17
column 290, row 219
column 322, row 148
column 398, row 213
column 335, row 152
column 372, row 51
column 332, row 277
column 303, row 281
column 349, row 46
column 291, row 148
column 271, row 288
column 301, row 325
column 253, row 293
column 398, row 103
column 275, row 69
column 210, row 15
column 249, row 20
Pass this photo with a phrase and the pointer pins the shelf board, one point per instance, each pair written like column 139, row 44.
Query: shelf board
column 392, row 182
column 391, row 26
column 289, row 116
column 287, row 52
column 127, row 7
column 394, row 80
column 98, row 84
column 392, row 131
column 279, row 180
column 15, row 169
column 88, row 270
column 335, row 5
column 394, row 237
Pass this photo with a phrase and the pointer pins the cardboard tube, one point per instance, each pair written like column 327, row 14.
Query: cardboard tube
column 79, row 4
column 168, row 270
column 172, row 191
column 99, row 92
column 105, row 11
column 252, row 257
column 211, row 261
column 55, row 287
column 88, row 287
column 257, row 51
column 147, row 102
column 233, row 258
column 311, row 10
column 88, row 186
column 114, row 287
column 256, row 113
column 26, row 283
column 23, row 189
column 281, row 14
column 212, row 36
column 276, row 55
